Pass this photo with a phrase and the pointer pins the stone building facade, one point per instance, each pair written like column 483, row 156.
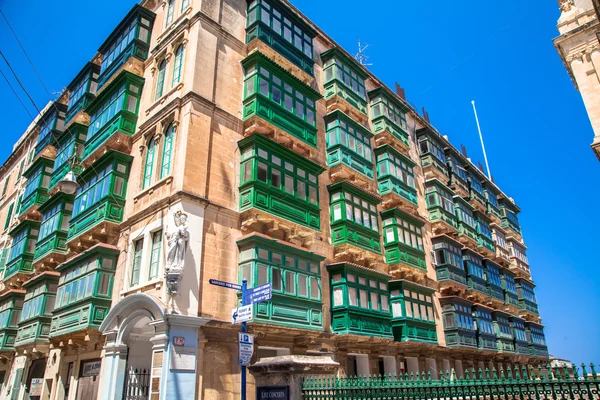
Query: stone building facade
column 578, row 47
column 230, row 140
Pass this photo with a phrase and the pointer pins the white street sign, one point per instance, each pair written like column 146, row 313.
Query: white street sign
column 242, row 314
column 246, row 343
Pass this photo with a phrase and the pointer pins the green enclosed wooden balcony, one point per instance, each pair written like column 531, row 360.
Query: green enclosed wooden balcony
column 295, row 275
column 459, row 327
column 403, row 241
column 278, row 182
column 84, row 290
column 278, row 104
column 475, row 179
column 388, row 120
column 536, row 340
column 486, row 336
column 11, row 303
column 281, row 29
column 413, row 318
column 526, row 293
column 493, row 279
column 354, row 217
column 473, row 263
column 510, row 289
column 51, row 245
column 440, row 207
column 467, row 225
column 510, row 221
column 100, row 199
column 505, row 339
column 82, row 90
column 131, row 38
column 20, row 258
column 458, row 174
column 493, row 208
column 344, row 84
column 449, row 265
column 349, row 154
column 51, row 125
column 113, row 117
column 69, row 151
column 396, row 179
column 36, row 316
column 433, row 158
column 36, row 189
column 520, row 335
column 485, row 241
column 359, row 301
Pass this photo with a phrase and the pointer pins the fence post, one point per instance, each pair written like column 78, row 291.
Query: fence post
column 287, row 373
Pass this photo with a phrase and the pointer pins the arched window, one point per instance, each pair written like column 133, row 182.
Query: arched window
column 160, row 80
column 167, row 155
column 170, row 11
column 149, row 167
column 177, row 66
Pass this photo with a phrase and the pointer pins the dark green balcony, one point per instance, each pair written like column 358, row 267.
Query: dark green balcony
column 486, row 336
column 526, row 293
column 359, row 301
column 278, row 99
column 505, row 340
column 113, row 115
column 440, row 206
column 345, row 79
column 467, row 226
column 475, row 178
column 389, row 115
column 485, row 243
column 509, row 211
column 295, row 276
column 131, row 38
column 20, row 258
column 528, row 305
column 449, row 265
column 536, row 340
column 473, row 263
column 520, row 335
column 100, row 199
column 36, row 189
column 493, row 279
column 51, row 125
column 84, row 290
column 52, row 239
column 395, row 174
column 354, row 218
column 458, row 174
column 278, row 181
column 11, row 303
column 82, row 90
column 491, row 196
column 413, row 318
column 459, row 327
column 402, row 238
column 521, row 347
column 281, row 29
column 348, row 143
column 36, row 316
column 70, row 147
column 433, row 158
column 510, row 289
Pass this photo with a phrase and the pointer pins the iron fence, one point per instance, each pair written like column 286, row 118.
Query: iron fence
column 137, row 384
column 517, row 383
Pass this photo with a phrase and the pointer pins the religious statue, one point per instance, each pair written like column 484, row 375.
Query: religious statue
column 177, row 244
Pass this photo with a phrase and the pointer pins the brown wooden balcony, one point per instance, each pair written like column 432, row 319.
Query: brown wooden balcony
column 359, row 256
column 342, row 172
column 258, row 45
column 386, row 137
column 337, row 102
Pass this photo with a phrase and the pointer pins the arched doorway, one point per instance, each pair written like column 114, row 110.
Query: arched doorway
column 136, row 332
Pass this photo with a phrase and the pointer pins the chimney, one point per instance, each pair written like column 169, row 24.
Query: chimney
column 480, row 166
column 425, row 114
column 493, row 181
column 400, row 91
column 463, row 150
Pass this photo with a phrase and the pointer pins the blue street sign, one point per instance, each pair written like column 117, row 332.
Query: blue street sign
column 227, row 285
column 259, row 294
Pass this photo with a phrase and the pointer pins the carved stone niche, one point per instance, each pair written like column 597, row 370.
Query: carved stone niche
column 177, row 239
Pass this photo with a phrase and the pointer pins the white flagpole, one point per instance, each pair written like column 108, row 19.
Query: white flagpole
column 481, row 138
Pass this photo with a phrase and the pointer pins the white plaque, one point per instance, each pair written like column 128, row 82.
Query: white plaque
column 183, row 358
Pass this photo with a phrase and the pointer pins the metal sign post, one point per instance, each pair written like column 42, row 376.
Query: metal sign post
column 243, row 367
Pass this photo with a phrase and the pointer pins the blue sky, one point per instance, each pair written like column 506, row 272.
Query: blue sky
column 444, row 54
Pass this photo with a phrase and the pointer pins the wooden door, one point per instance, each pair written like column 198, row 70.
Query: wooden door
column 89, row 378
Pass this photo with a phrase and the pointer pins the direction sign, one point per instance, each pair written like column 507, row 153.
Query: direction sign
column 246, row 347
column 228, row 285
column 242, row 314
column 259, row 294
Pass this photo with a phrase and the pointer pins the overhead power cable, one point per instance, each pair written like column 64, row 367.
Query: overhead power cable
column 16, row 95
column 19, row 81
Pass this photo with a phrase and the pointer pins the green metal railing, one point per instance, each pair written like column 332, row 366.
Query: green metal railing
column 518, row 383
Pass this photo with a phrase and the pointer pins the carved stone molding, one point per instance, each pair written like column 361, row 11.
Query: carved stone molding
column 566, row 5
